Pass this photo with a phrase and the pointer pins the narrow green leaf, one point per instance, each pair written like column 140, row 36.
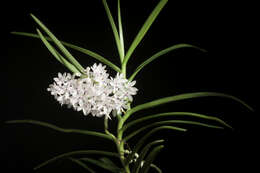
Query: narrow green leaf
column 83, row 165
column 102, row 165
column 149, row 21
column 152, row 125
column 159, row 54
column 145, row 137
column 80, row 152
column 137, row 164
column 170, row 122
column 181, row 97
column 44, row 124
column 61, row 59
column 80, row 49
column 59, row 44
column 150, row 158
column 156, row 168
column 108, row 161
column 121, row 35
column 161, row 115
column 116, row 35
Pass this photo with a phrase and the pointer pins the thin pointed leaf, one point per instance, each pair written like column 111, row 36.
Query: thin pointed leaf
column 80, row 152
column 137, row 164
column 152, row 125
column 59, row 44
column 102, row 165
column 108, row 161
column 156, row 168
column 182, row 97
column 121, row 35
column 116, row 35
column 170, row 122
column 150, row 158
column 44, row 124
column 161, row 115
column 61, row 59
column 161, row 53
column 144, row 138
column 149, row 21
column 83, row 165
column 80, row 49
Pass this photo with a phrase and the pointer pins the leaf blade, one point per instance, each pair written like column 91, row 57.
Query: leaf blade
column 182, row 97
column 150, row 158
column 159, row 54
column 161, row 115
column 72, row 46
column 120, row 27
column 144, row 138
column 48, row 125
column 149, row 126
column 108, row 161
column 114, row 29
column 142, row 155
column 79, row 152
column 58, row 44
column 102, row 165
column 156, row 168
column 80, row 163
column 61, row 59
column 149, row 21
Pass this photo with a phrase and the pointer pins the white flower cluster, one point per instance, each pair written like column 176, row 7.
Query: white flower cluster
column 94, row 92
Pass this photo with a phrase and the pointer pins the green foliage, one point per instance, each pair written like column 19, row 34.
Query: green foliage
column 72, row 46
column 150, row 158
column 161, row 53
column 166, row 114
column 80, row 152
column 147, row 152
column 83, row 165
column 181, row 97
column 115, row 32
column 59, row 44
column 48, row 125
column 58, row 56
column 121, row 37
column 104, row 165
column 149, row 21
column 143, row 153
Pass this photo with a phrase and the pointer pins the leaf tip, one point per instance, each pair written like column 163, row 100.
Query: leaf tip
column 32, row 15
column 38, row 31
column 203, row 50
column 8, row 122
column 13, row 32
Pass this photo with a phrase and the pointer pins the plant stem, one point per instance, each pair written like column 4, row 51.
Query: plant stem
column 123, row 69
column 120, row 144
column 118, row 141
column 106, row 129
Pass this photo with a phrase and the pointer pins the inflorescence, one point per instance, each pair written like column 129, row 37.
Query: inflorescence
column 93, row 92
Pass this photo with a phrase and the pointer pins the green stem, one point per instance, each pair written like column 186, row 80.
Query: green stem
column 118, row 141
column 120, row 144
column 106, row 129
column 123, row 69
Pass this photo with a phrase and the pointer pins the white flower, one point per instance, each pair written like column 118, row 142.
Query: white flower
column 96, row 93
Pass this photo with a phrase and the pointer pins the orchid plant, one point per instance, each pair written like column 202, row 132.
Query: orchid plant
column 94, row 92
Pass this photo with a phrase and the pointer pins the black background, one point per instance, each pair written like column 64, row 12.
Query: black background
column 225, row 30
